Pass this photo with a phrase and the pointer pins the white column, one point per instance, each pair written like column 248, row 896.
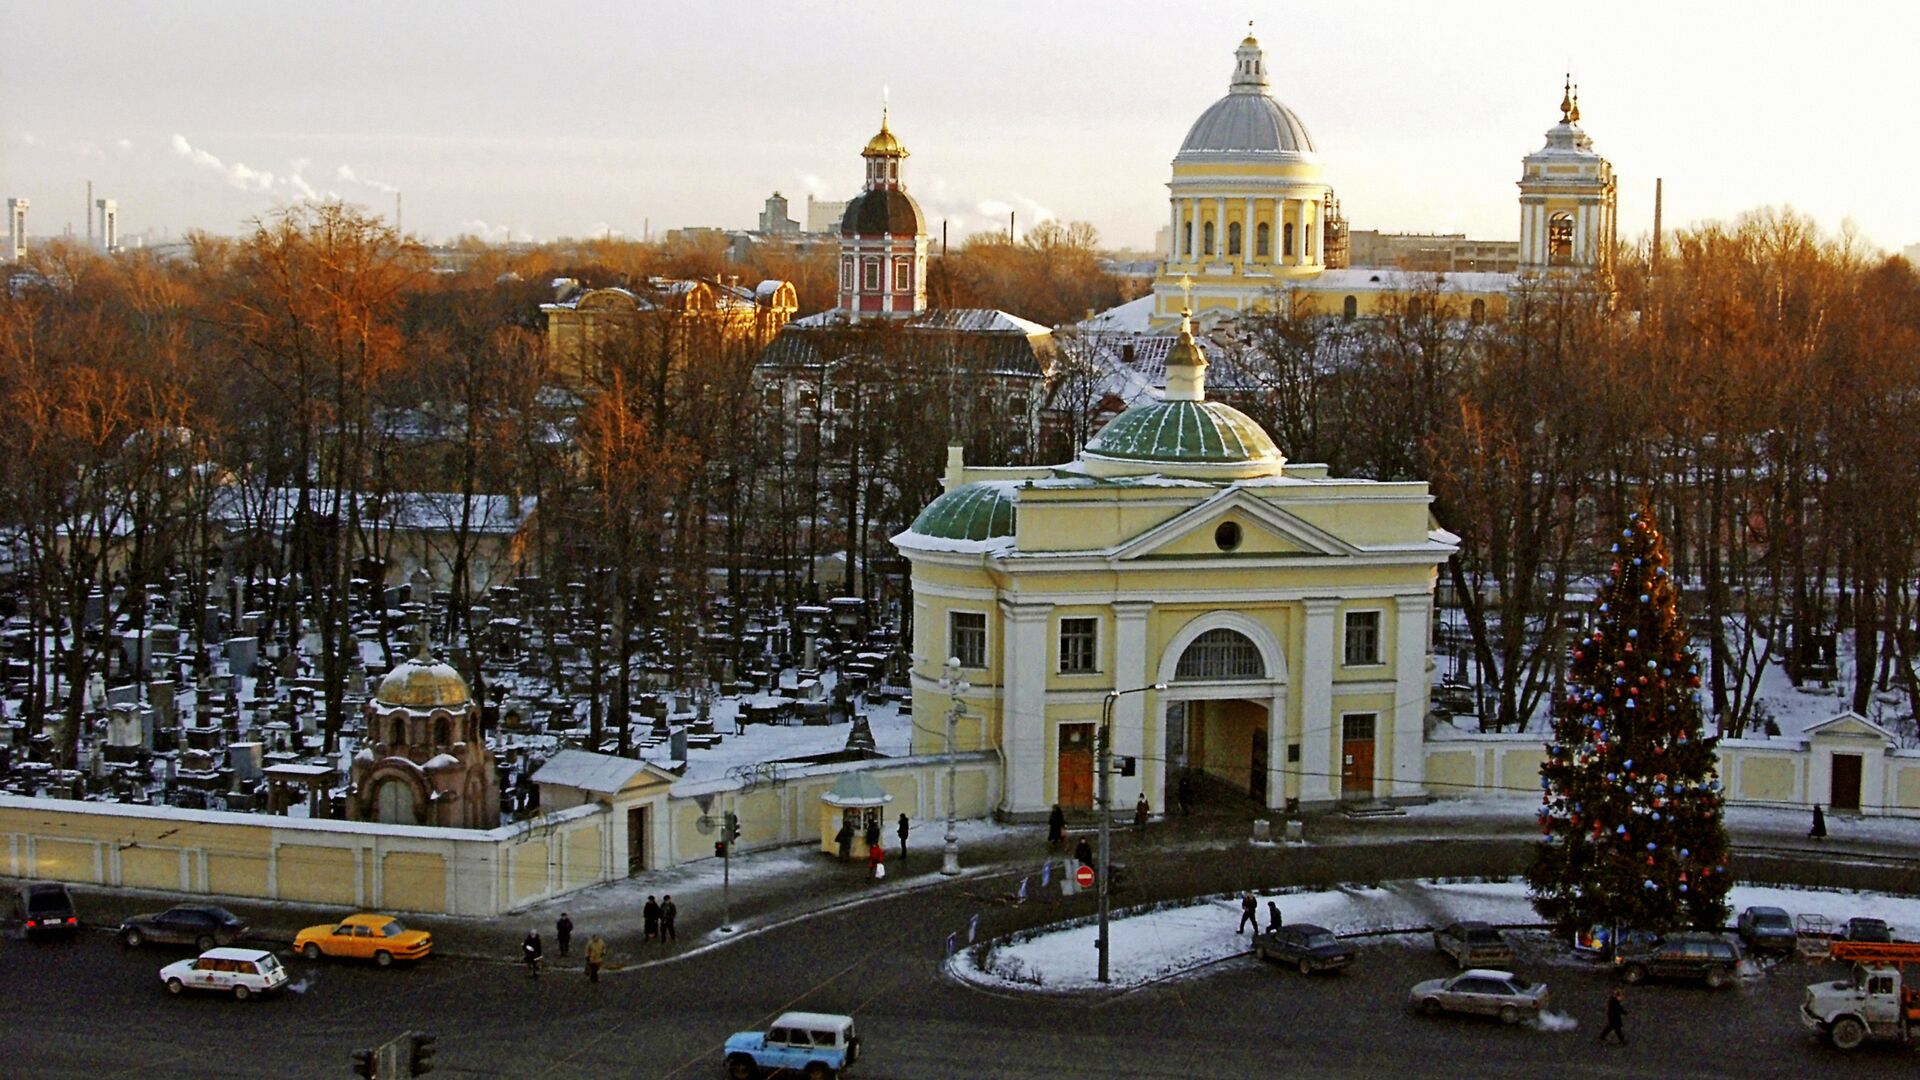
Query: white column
column 1130, row 670
column 1246, row 235
column 1280, row 771
column 1173, row 230
column 1319, row 728
column 1023, row 706
column 1411, row 689
column 1220, row 227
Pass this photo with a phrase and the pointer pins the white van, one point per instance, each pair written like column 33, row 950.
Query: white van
column 240, row 972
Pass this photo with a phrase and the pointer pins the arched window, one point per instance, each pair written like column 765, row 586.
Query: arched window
column 1233, row 238
column 1221, row 654
column 1206, row 239
column 1560, row 239
column 1286, row 238
column 1186, row 239
column 1478, row 313
column 1263, row 240
column 1349, row 308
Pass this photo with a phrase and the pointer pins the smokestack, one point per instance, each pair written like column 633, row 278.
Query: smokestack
column 1657, row 193
column 16, row 230
column 396, row 214
column 89, row 213
column 1011, row 235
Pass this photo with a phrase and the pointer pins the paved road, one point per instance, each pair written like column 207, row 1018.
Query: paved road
column 92, row 1009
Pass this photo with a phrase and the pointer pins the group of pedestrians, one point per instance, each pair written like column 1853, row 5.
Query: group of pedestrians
column 876, row 851
column 658, row 918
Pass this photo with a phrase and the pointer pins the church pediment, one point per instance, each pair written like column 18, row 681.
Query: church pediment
column 1850, row 725
column 1238, row 523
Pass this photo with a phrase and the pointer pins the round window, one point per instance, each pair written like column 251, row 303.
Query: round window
column 1227, row 536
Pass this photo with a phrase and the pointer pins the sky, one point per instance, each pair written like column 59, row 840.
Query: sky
column 591, row 118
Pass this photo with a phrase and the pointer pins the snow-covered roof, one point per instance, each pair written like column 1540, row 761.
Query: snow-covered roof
column 1132, row 317
column 589, row 771
column 1381, row 279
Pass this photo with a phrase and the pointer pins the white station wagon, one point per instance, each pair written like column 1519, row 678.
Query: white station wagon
column 240, row 972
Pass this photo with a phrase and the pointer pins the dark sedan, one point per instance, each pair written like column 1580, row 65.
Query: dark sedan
column 203, row 926
column 1866, row 929
column 1306, row 946
column 1768, row 929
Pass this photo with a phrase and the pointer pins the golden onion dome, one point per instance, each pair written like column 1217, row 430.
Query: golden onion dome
column 421, row 682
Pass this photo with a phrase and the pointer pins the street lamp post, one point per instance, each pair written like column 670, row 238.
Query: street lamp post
column 1104, row 765
column 954, row 682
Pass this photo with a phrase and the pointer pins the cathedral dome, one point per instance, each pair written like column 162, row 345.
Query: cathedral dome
column 1247, row 121
column 977, row 511
column 1185, row 433
column 879, row 211
column 422, row 682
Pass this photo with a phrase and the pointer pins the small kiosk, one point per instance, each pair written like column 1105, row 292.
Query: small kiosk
column 855, row 801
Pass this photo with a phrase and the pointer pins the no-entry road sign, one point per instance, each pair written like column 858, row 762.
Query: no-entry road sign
column 1083, row 877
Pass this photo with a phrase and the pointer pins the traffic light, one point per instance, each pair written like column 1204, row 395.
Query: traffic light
column 420, row 1052
column 363, row 1064
column 719, row 849
column 733, row 827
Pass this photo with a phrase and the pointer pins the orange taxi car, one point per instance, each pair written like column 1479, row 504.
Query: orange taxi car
column 380, row 938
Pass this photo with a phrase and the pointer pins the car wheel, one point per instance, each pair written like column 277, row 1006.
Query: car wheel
column 818, row 1071
column 741, row 1067
column 1509, row 1014
column 1305, row 967
column 383, row 958
column 1847, row 1033
column 1635, row 974
column 241, row 993
column 311, row 952
column 204, row 942
column 1431, row 1006
column 175, row 986
column 1717, row 977
column 133, row 939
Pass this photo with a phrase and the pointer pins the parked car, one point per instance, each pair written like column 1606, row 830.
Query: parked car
column 1482, row 992
column 814, row 1045
column 43, row 909
column 240, row 972
column 1597, row 942
column 1865, row 929
column 202, row 926
column 1710, row 958
column 366, row 936
column 1306, row 946
column 1472, row 944
column 1768, row 929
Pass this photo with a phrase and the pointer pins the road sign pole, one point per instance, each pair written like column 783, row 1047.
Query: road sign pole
column 1105, row 735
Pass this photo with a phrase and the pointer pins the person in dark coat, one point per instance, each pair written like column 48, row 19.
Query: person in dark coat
column 1056, row 827
column 873, row 830
column 563, row 932
column 650, row 919
column 1186, row 795
column 530, row 953
column 1819, row 830
column 1273, row 916
column 1616, row 1012
column 1140, row 813
column 903, row 830
column 1249, row 913
column 668, row 912
column 844, row 838
column 1083, row 852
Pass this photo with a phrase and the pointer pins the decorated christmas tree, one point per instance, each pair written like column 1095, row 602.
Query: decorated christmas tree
column 1630, row 802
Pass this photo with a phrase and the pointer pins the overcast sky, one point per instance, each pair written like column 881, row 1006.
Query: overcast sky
column 578, row 118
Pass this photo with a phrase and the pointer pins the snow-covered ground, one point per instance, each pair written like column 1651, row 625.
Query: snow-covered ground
column 1159, row 944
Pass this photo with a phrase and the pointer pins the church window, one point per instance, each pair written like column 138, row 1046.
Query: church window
column 967, row 638
column 873, row 275
column 1206, row 239
column 902, row 274
column 1560, row 239
column 1233, row 238
column 846, row 274
column 1478, row 313
column 1363, row 638
column 1186, row 238
column 1221, row 654
column 1349, row 308
column 1286, row 238
column 1262, row 240
column 1078, row 638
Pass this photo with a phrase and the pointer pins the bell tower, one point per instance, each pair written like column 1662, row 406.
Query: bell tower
column 883, row 238
column 1568, row 199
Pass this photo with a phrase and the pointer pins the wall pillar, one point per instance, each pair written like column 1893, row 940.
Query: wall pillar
column 1130, row 670
column 1319, row 728
column 1023, row 705
column 1410, row 694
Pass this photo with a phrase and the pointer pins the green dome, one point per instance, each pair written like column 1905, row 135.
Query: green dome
column 1184, row 432
column 979, row 511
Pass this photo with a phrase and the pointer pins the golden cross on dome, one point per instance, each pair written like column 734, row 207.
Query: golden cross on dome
column 1186, row 292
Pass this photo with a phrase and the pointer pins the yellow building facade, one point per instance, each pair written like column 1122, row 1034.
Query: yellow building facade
column 1273, row 619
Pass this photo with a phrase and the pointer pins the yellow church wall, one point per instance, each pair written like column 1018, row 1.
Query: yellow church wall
column 1102, row 675
column 1906, row 786
column 527, row 871
column 317, row 873
column 413, row 881
column 1520, row 769
column 232, row 873
column 152, row 868
column 583, row 857
column 1086, row 524
column 1255, row 539
column 1766, row 778
column 1451, row 772
column 65, row 860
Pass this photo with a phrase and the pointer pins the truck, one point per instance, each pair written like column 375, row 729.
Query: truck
column 1875, row 1002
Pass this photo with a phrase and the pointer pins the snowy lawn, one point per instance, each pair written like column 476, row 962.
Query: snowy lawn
column 1162, row 943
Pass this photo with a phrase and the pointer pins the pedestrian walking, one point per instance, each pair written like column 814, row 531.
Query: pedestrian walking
column 1140, row 812
column 876, row 861
column 563, row 932
column 1083, row 852
column 1616, row 1012
column 1819, row 830
column 668, row 912
column 596, row 956
column 650, row 919
column 1185, row 795
column 844, row 838
column 530, row 953
column 873, row 830
column 1249, row 913
column 1056, row 827
column 1273, row 916
column 902, row 830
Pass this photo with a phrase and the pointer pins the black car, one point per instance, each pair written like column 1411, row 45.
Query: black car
column 1306, row 946
column 1768, row 929
column 202, row 926
column 43, row 909
column 1865, row 929
column 1710, row 958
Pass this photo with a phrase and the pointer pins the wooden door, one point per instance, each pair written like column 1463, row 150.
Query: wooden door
column 1846, row 782
column 636, row 841
column 1076, row 766
column 1356, row 757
